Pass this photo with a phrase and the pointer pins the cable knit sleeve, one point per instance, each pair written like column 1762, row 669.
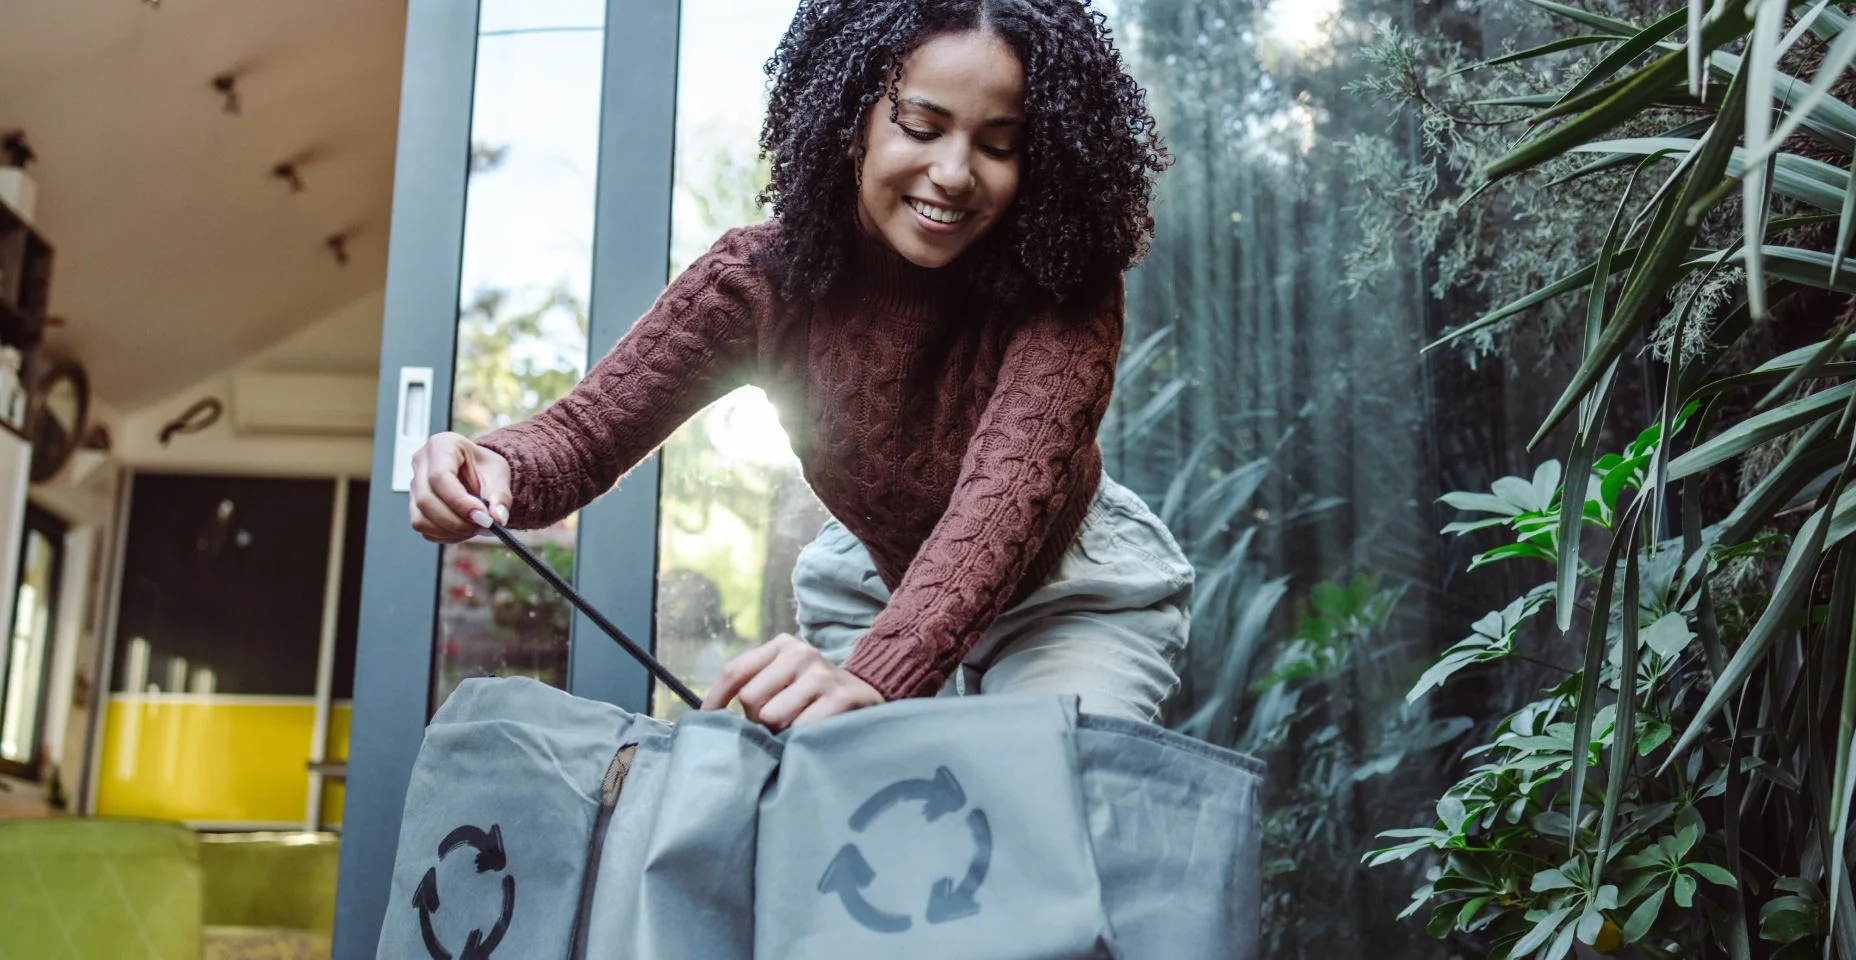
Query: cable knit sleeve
column 1031, row 441
column 694, row 345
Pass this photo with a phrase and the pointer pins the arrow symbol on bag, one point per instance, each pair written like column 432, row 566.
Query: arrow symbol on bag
column 847, row 876
column 490, row 854
column 948, row 902
column 480, row 945
column 425, row 900
column 940, row 796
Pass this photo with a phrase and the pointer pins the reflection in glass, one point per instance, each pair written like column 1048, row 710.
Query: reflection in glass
column 522, row 327
column 1294, row 438
column 735, row 510
column 33, row 605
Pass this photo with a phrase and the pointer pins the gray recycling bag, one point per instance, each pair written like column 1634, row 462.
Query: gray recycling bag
column 541, row 825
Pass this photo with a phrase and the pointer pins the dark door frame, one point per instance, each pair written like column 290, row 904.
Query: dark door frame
column 616, row 558
column 45, row 523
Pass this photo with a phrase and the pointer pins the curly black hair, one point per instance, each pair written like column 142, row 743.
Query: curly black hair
column 1090, row 151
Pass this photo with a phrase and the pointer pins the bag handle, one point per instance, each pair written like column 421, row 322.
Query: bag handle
column 658, row 670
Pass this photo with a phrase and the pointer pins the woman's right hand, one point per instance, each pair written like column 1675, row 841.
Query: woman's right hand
column 457, row 486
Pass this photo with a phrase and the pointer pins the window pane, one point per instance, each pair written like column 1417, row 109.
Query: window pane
column 1291, row 433
column 735, row 510
column 213, row 689
column 35, row 603
column 222, row 585
column 522, row 328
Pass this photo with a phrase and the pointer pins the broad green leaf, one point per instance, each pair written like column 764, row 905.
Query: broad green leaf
column 1577, row 280
column 1572, row 506
column 1451, row 811
column 1492, row 639
column 1799, row 178
column 1562, row 944
column 1831, row 120
column 1808, row 457
column 1836, row 60
column 1714, row 874
column 1809, row 267
column 1793, row 359
column 1786, row 920
column 1543, row 931
column 1791, row 587
column 1622, row 100
column 1587, row 17
column 1760, row 428
column 1755, row 176
column 1650, row 279
column 1685, row 890
column 1590, row 923
column 1621, row 57
column 1616, row 103
column 1595, row 642
column 1846, row 221
column 1622, row 747
column 1669, row 635
column 1830, row 23
column 1471, row 526
column 1644, row 917
column 1843, row 606
column 1550, row 879
column 1687, row 131
column 1553, row 46
column 1484, row 503
column 1818, row 361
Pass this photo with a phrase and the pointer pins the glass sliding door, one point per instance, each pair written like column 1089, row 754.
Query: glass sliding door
column 522, row 126
column 522, row 314
column 26, row 659
column 734, row 509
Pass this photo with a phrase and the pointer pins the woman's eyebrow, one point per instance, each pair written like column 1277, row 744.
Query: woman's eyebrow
column 941, row 111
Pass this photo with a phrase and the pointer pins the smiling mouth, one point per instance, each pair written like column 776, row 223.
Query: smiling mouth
column 944, row 215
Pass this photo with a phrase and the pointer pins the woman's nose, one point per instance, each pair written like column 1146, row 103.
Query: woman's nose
column 952, row 172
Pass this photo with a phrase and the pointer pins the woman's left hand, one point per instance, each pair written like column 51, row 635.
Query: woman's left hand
column 786, row 682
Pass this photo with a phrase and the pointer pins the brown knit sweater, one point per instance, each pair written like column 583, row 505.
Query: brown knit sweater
column 962, row 454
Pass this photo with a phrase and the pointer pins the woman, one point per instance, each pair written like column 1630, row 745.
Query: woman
column 936, row 310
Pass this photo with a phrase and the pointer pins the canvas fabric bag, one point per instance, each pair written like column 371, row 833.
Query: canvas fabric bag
column 541, row 825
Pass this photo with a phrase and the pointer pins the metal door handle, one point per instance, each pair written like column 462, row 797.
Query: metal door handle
column 412, row 423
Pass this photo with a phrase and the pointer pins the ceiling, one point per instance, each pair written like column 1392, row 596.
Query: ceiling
column 178, row 253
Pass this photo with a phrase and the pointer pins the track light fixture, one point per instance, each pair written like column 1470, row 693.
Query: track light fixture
column 227, row 85
column 288, row 173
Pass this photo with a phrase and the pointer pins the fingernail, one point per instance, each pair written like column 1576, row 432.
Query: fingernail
column 480, row 518
column 502, row 513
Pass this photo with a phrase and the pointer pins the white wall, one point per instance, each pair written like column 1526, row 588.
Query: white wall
column 86, row 496
column 346, row 342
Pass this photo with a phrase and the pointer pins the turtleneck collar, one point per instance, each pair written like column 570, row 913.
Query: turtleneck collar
column 895, row 287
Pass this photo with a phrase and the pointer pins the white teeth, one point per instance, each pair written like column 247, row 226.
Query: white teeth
column 938, row 214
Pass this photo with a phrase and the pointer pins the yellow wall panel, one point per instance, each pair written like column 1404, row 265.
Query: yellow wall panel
column 214, row 759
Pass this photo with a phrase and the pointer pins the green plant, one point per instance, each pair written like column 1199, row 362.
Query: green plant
column 1310, row 723
column 1686, row 788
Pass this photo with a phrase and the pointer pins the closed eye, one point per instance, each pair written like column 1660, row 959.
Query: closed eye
column 1000, row 153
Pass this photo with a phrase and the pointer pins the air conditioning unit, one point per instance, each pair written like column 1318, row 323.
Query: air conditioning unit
column 287, row 402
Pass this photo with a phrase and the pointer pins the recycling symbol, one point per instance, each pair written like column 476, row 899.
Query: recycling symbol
column 849, row 873
column 490, row 858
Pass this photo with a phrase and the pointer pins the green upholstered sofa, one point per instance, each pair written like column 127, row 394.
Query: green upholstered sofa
column 78, row 889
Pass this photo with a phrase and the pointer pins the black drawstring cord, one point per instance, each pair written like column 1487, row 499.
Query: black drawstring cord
column 573, row 596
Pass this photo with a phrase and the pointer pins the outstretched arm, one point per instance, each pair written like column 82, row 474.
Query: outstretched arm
column 694, row 345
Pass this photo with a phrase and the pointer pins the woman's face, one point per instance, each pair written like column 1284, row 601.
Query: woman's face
column 945, row 171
